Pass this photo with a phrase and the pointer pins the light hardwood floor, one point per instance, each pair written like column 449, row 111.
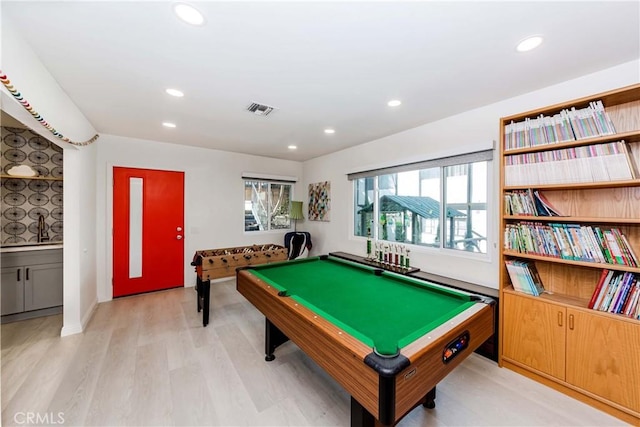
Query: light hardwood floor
column 147, row 361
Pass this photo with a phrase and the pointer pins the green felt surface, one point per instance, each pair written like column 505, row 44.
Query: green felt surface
column 386, row 312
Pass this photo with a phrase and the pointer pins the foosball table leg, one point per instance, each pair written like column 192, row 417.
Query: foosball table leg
column 198, row 294
column 206, row 293
column 203, row 289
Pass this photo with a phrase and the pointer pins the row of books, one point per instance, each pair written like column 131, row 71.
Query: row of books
column 528, row 202
column 617, row 292
column 568, row 125
column 592, row 163
column 570, row 241
column 524, row 277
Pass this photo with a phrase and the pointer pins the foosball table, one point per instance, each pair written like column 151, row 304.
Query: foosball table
column 211, row 264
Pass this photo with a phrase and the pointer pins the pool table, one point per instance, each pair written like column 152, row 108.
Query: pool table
column 387, row 339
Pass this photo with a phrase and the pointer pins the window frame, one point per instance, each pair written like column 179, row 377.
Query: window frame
column 269, row 182
column 462, row 159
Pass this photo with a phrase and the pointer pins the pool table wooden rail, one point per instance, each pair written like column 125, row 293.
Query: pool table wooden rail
column 425, row 354
column 342, row 356
column 336, row 351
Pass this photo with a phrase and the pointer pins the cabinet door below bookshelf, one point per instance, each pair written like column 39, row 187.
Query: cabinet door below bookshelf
column 534, row 333
column 603, row 356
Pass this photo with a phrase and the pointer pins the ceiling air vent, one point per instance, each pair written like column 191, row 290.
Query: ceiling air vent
column 260, row 109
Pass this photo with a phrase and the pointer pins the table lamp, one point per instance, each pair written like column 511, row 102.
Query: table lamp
column 296, row 213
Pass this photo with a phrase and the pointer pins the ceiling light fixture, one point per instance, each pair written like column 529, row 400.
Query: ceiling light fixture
column 175, row 92
column 329, row 131
column 292, row 147
column 394, row 103
column 188, row 14
column 168, row 124
column 529, row 43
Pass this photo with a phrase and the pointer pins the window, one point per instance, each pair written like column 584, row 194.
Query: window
column 466, row 207
column 267, row 205
column 438, row 203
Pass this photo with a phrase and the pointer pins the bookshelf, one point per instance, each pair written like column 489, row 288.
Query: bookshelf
column 592, row 181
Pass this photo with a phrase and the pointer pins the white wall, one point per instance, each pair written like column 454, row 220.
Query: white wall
column 29, row 77
column 214, row 196
column 470, row 131
column 80, row 293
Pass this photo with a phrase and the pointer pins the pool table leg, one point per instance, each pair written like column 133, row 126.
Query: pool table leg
column 273, row 337
column 430, row 399
column 360, row 417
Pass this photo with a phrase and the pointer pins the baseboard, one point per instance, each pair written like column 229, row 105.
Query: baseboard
column 71, row 330
column 89, row 314
column 78, row 328
column 31, row 314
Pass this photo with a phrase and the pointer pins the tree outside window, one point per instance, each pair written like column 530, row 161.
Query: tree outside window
column 267, row 205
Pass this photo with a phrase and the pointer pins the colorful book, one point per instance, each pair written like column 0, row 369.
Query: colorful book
column 524, row 277
column 624, row 294
column 598, row 288
column 603, row 290
column 612, row 243
column 611, row 290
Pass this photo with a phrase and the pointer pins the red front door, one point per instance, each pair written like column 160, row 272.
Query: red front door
column 148, row 223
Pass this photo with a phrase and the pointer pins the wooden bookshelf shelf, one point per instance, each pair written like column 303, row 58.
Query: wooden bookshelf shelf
column 41, row 178
column 554, row 297
column 577, row 185
column 581, row 219
column 598, row 265
column 633, row 136
column 555, row 338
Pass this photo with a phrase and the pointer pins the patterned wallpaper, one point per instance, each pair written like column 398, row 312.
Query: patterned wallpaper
column 24, row 200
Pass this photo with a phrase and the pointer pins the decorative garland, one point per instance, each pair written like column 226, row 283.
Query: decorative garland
column 17, row 95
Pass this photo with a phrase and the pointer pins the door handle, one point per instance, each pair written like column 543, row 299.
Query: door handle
column 26, row 274
column 18, row 278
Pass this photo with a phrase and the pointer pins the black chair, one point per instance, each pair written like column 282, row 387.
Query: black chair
column 298, row 244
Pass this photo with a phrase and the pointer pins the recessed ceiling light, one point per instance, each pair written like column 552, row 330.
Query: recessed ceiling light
column 168, row 124
column 175, row 92
column 394, row 103
column 292, row 147
column 188, row 14
column 329, row 131
column 529, row 43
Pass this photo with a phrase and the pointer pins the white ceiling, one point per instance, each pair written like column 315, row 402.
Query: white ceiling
column 322, row 64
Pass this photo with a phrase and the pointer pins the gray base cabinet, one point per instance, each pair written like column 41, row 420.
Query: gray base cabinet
column 31, row 280
column 12, row 290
